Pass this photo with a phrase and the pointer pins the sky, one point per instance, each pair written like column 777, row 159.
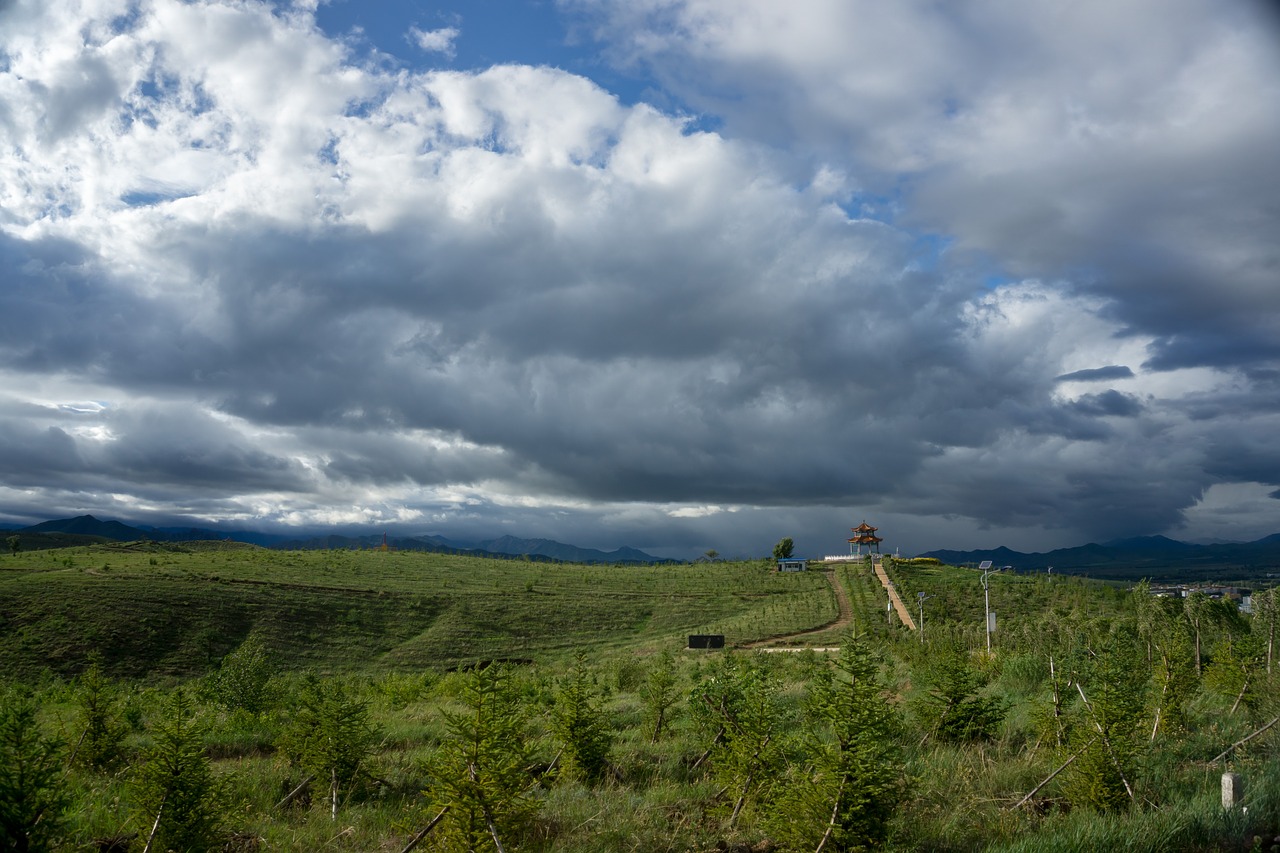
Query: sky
column 674, row 274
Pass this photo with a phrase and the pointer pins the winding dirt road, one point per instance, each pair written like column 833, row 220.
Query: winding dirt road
column 843, row 619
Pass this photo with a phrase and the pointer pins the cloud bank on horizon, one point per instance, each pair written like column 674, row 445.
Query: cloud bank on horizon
column 717, row 274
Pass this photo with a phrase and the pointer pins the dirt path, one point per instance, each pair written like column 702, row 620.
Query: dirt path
column 843, row 619
column 903, row 613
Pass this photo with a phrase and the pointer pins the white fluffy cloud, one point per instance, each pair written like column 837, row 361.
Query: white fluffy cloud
column 435, row 41
column 924, row 270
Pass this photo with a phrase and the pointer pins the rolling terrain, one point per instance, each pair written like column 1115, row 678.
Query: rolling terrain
column 396, row 645
column 172, row 609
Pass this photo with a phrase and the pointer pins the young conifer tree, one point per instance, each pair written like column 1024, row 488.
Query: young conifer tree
column 180, row 798
column 752, row 730
column 330, row 736
column 243, row 680
column 659, row 694
column 1172, row 665
column 1106, row 730
column 101, row 742
column 952, row 706
column 581, row 724
column 481, row 772
column 32, row 795
column 851, row 782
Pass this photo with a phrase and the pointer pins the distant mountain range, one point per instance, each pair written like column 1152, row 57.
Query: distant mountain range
column 1145, row 556
column 1155, row 557
column 86, row 529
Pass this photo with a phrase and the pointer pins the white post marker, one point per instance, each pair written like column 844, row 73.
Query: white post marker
column 1232, row 790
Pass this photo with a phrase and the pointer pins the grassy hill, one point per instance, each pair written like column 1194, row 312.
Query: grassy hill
column 169, row 609
column 737, row 762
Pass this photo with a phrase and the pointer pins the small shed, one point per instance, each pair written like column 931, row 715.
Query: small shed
column 793, row 565
column 706, row 641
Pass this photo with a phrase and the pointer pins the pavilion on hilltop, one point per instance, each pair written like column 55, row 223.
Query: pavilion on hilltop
column 864, row 534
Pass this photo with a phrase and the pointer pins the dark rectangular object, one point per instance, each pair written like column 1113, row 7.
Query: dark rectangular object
column 706, row 641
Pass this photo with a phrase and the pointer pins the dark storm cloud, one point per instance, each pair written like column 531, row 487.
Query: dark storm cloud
column 503, row 300
column 67, row 313
column 31, row 456
column 615, row 377
column 1098, row 374
column 1110, row 403
column 166, row 447
column 155, row 449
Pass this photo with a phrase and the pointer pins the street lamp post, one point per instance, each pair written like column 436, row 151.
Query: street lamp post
column 986, row 598
column 922, row 598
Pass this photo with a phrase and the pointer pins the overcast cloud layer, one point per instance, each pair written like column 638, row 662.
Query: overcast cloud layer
column 1000, row 274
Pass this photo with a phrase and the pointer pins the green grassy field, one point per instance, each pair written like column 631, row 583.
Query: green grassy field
column 382, row 642
column 158, row 610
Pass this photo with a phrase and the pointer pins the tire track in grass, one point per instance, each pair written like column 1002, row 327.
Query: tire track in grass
column 844, row 618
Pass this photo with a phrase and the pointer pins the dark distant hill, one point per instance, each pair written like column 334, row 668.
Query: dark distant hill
column 87, row 530
column 565, row 553
column 506, row 546
column 49, row 540
column 98, row 530
column 1156, row 557
column 334, row 541
column 87, row 525
column 206, row 534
